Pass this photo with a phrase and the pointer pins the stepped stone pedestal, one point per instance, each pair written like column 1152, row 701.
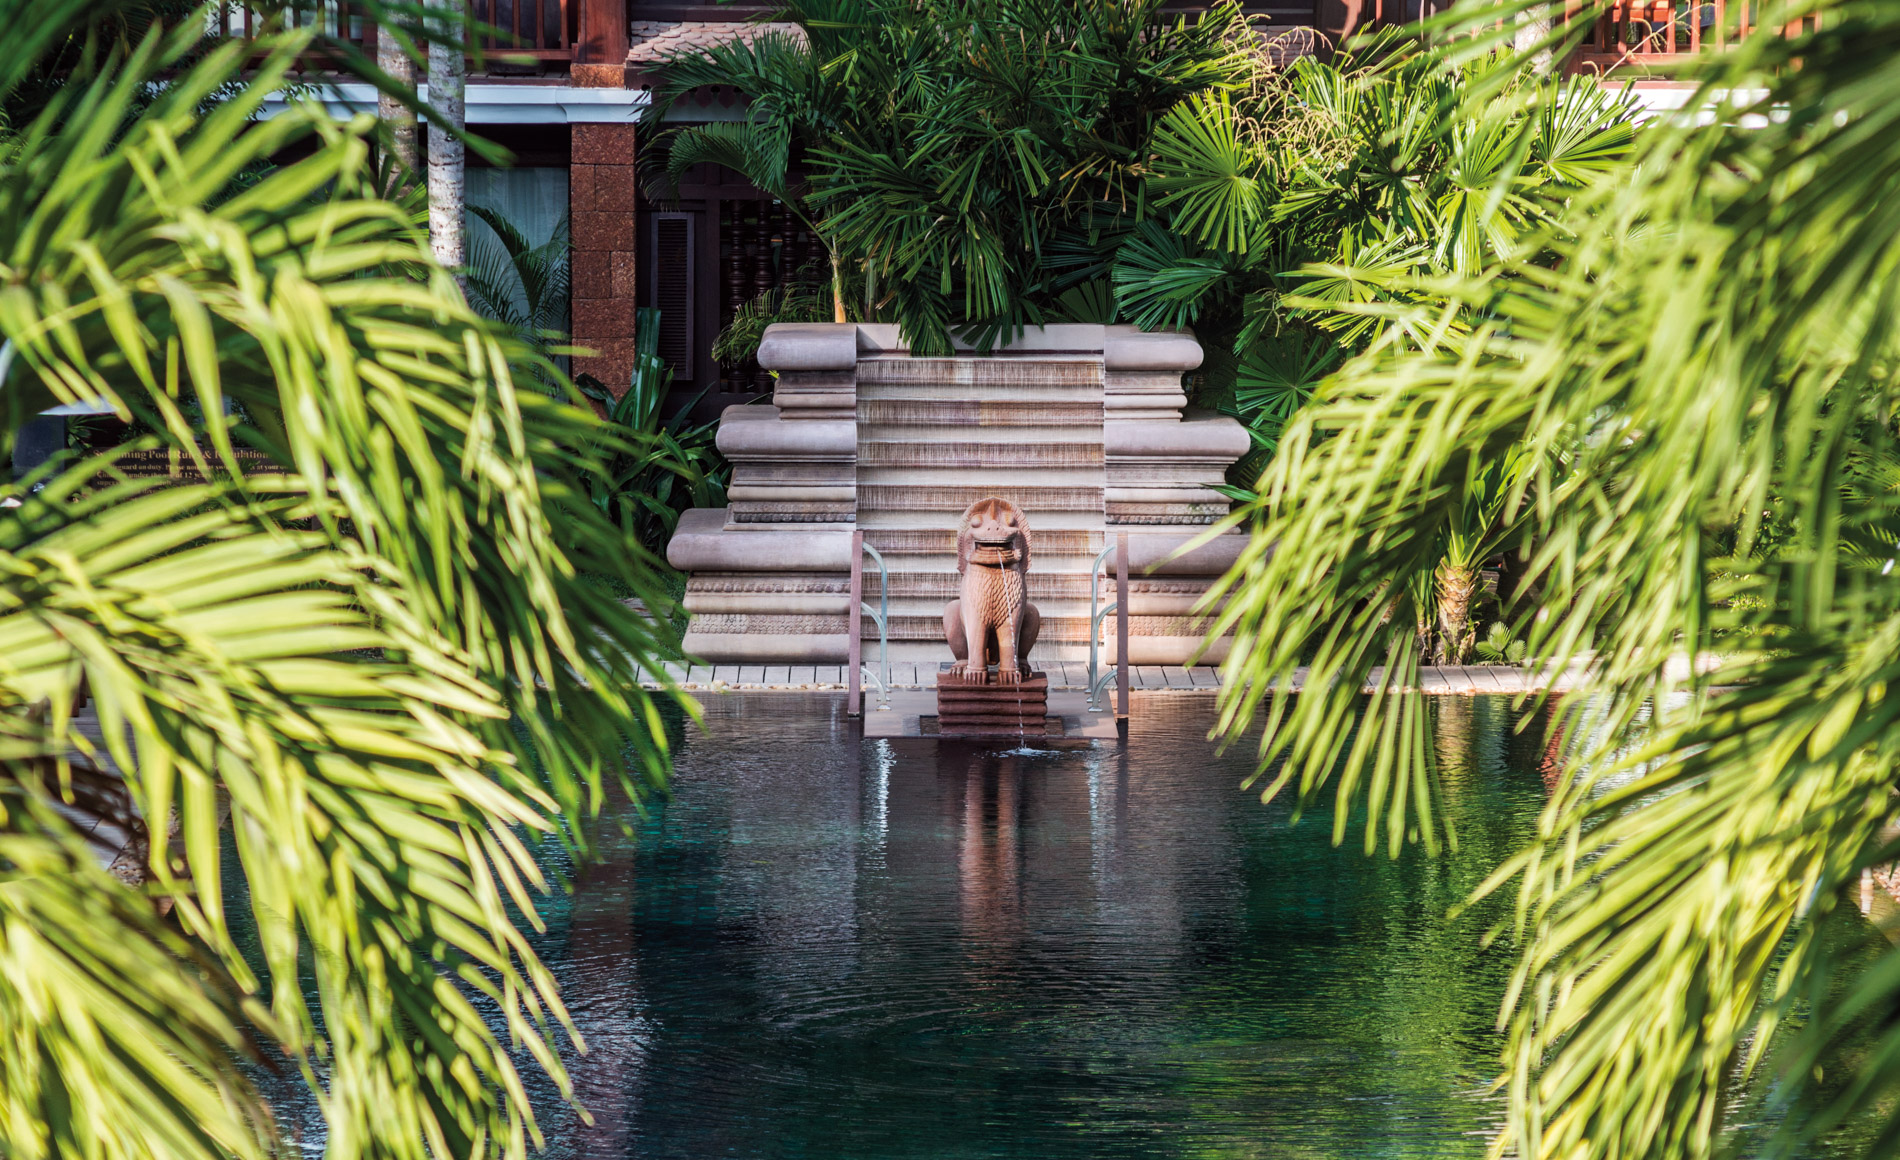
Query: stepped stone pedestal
column 972, row 707
column 1082, row 427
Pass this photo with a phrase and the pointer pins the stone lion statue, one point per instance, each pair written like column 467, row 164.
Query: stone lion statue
column 990, row 621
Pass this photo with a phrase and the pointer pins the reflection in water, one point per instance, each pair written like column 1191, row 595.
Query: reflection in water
column 826, row 947
column 989, row 876
column 608, row 1083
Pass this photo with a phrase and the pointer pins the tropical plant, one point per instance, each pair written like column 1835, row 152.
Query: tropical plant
column 651, row 469
column 979, row 159
column 519, row 284
column 372, row 680
column 739, row 339
column 1711, row 338
column 1500, row 646
column 793, row 102
column 1296, row 219
column 1479, row 522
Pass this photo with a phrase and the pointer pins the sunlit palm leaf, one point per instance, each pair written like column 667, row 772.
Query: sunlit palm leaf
column 1708, row 346
column 111, row 1048
column 385, row 693
column 1213, row 181
column 211, row 647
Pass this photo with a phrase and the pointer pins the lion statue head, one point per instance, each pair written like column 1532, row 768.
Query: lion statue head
column 995, row 534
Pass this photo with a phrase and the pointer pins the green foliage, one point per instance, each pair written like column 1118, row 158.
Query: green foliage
column 979, row 159
column 519, row 284
column 740, row 338
column 1298, row 218
column 381, row 664
column 1501, row 647
column 53, row 49
column 1277, row 375
column 147, row 1049
column 1087, row 302
column 1481, row 519
column 1482, row 514
column 1696, row 347
column 649, row 470
column 794, row 102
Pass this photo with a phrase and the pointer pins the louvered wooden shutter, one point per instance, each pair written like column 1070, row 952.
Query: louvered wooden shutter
column 672, row 273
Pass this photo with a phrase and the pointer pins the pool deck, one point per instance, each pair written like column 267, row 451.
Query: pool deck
column 1461, row 680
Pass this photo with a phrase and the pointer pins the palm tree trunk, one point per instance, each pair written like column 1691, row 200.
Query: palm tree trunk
column 837, row 289
column 447, row 175
column 1457, row 584
column 1532, row 27
column 397, row 117
column 1452, row 738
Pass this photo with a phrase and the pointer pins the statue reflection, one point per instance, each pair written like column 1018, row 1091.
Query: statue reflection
column 1552, row 765
column 989, row 854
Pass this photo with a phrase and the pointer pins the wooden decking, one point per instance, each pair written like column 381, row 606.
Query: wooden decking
column 1465, row 680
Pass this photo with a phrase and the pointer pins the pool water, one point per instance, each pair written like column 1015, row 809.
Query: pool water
column 829, row 947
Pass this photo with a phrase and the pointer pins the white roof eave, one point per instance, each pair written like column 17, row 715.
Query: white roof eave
column 488, row 103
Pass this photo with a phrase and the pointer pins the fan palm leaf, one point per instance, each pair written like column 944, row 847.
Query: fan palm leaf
column 1334, row 196
column 1213, row 183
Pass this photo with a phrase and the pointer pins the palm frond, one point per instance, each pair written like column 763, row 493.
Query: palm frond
column 758, row 150
column 1163, row 281
column 111, row 1049
column 386, row 660
column 1209, row 177
column 1704, row 343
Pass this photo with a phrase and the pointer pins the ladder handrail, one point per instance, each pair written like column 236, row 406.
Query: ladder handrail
column 883, row 617
column 854, row 630
column 854, row 647
column 1098, row 680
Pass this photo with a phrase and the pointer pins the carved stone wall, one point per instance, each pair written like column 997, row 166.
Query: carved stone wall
column 1082, row 426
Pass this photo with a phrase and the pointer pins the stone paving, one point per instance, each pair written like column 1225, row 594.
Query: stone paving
column 1450, row 679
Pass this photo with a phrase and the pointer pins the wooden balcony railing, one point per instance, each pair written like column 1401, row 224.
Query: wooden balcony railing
column 537, row 29
column 1665, row 31
column 1629, row 34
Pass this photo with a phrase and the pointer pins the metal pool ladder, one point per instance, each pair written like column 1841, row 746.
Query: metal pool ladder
column 860, row 672
column 1098, row 680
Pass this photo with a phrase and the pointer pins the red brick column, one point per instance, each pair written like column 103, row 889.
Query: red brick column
column 600, row 188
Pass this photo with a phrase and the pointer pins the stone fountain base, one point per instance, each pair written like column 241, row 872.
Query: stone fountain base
column 971, row 706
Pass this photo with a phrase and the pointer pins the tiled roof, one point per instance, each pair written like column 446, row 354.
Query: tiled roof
column 654, row 40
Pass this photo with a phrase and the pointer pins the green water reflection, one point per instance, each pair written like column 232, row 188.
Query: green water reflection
column 831, row 948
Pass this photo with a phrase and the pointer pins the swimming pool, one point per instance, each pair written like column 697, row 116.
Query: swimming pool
column 827, row 947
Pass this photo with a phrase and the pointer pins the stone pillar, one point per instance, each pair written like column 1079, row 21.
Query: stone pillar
column 600, row 200
column 1164, row 463
column 795, row 462
column 770, row 573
